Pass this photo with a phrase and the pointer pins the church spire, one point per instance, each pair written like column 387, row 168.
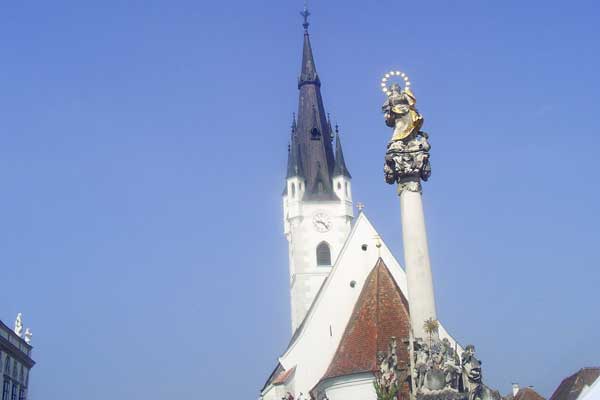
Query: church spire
column 313, row 136
column 340, row 165
column 294, row 167
column 308, row 73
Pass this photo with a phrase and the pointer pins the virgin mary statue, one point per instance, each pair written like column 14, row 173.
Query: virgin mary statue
column 401, row 114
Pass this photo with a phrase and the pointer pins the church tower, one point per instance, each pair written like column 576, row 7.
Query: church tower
column 317, row 200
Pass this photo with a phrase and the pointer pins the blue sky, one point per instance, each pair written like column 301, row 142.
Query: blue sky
column 142, row 155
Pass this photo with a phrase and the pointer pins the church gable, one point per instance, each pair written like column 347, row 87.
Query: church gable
column 381, row 313
column 317, row 339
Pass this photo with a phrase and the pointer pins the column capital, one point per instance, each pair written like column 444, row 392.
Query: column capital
column 407, row 162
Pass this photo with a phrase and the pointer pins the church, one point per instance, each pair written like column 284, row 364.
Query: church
column 363, row 326
column 349, row 293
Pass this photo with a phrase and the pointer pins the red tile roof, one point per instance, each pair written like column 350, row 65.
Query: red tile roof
column 284, row 376
column 380, row 313
column 570, row 388
column 528, row 394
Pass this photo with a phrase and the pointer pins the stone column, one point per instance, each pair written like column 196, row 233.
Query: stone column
column 407, row 165
column 416, row 262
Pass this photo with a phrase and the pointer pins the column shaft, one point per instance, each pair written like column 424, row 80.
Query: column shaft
column 416, row 261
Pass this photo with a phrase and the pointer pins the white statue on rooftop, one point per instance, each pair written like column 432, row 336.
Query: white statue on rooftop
column 28, row 336
column 19, row 325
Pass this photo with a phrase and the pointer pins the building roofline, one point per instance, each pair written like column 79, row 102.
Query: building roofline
column 12, row 333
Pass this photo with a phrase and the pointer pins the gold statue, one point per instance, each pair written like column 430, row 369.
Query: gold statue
column 400, row 112
column 407, row 154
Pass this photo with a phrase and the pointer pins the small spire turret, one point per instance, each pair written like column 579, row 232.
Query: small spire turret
column 294, row 167
column 340, row 167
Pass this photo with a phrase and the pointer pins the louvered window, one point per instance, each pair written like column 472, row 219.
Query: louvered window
column 323, row 254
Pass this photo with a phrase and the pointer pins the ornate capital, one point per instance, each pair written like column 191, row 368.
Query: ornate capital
column 407, row 162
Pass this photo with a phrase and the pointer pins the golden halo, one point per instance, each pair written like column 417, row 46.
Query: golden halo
column 388, row 76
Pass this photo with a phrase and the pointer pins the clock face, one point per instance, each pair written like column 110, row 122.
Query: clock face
column 322, row 222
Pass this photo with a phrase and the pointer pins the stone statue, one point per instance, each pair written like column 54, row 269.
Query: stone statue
column 471, row 373
column 28, row 336
column 421, row 355
column 391, row 377
column 451, row 365
column 407, row 155
column 19, row 325
column 382, row 363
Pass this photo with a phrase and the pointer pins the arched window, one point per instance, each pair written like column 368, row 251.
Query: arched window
column 346, row 189
column 339, row 185
column 323, row 254
column 293, row 190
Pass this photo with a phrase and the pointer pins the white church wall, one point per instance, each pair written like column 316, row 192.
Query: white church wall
column 351, row 387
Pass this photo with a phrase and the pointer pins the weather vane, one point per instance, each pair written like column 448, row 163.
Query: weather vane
column 305, row 13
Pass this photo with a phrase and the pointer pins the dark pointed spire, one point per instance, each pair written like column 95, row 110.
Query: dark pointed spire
column 340, row 164
column 312, row 138
column 294, row 167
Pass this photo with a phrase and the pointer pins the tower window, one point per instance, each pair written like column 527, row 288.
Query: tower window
column 339, row 186
column 323, row 254
column 315, row 134
column 293, row 190
column 346, row 189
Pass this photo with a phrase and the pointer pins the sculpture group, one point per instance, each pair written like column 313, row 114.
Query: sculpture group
column 438, row 373
column 407, row 156
column 19, row 329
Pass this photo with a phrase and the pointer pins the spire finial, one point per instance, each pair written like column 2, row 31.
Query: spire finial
column 305, row 13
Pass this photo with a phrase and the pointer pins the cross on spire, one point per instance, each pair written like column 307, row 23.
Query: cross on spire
column 360, row 206
column 305, row 13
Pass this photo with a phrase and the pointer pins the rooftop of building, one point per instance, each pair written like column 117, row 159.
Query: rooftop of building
column 16, row 346
column 571, row 387
column 380, row 313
